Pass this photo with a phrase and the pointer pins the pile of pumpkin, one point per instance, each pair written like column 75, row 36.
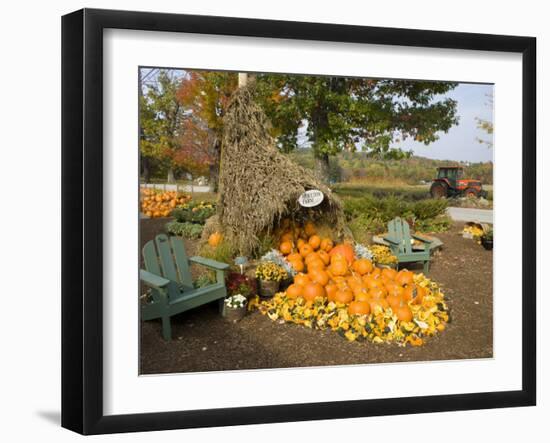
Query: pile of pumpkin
column 158, row 203
column 334, row 289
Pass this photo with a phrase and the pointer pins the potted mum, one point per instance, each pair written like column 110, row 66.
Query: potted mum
column 279, row 259
column 269, row 276
column 238, row 283
column 382, row 257
column 234, row 308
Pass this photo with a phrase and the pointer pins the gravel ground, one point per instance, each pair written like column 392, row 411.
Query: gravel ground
column 204, row 341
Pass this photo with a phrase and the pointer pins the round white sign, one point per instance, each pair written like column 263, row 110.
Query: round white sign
column 311, row 198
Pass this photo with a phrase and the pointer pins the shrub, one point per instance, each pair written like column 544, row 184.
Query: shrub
column 194, row 212
column 222, row 253
column 427, row 209
column 266, row 244
column 364, row 224
column 438, row 224
column 184, row 229
column 371, row 214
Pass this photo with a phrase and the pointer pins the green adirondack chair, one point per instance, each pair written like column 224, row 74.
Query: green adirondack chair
column 399, row 238
column 167, row 274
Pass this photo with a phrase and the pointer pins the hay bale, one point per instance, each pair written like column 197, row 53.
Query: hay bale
column 258, row 184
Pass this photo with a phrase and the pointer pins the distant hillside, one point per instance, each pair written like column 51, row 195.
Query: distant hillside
column 356, row 166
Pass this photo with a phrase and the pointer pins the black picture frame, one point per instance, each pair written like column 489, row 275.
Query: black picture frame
column 82, row 218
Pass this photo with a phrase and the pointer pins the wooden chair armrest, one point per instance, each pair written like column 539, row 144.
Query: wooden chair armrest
column 152, row 280
column 213, row 264
column 423, row 239
column 392, row 240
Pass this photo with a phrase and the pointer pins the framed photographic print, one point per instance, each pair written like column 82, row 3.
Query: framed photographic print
column 269, row 221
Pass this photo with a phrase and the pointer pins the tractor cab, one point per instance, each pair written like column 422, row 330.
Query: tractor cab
column 451, row 174
column 450, row 182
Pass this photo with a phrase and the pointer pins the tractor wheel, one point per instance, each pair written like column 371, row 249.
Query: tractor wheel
column 470, row 193
column 439, row 190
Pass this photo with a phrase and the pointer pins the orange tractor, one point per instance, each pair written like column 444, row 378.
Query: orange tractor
column 450, row 182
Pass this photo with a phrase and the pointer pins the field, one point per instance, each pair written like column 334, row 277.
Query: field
column 204, row 341
column 383, row 189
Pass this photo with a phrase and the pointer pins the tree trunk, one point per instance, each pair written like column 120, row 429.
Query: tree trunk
column 146, row 169
column 171, row 178
column 214, row 176
column 214, row 168
column 323, row 167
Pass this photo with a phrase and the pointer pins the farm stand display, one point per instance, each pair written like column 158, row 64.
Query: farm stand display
column 157, row 203
column 337, row 290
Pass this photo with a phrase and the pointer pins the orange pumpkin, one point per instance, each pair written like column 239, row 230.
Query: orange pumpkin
column 420, row 293
column 355, row 282
column 331, row 290
column 311, row 256
column 339, row 267
column 295, row 291
column 394, row 301
column 403, row 312
column 318, row 276
column 389, row 273
column 362, row 296
column 326, row 244
column 302, row 279
column 339, row 280
column 314, row 290
column 409, row 292
column 323, row 255
column 404, row 277
column 376, row 273
column 362, row 266
column 359, row 289
column 395, row 289
column 343, row 296
column 214, row 239
column 314, row 241
column 285, row 247
column 287, row 237
column 316, row 265
column 345, row 250
column 359, row 308
column 309, row 229
column 294, row 256
column 377, row 292
column 297, row 265
column 371, row 282
column 305, row 250
column 300, row 242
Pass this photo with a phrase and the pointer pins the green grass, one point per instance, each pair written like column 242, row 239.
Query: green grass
column 357, row 190
column 407, row 192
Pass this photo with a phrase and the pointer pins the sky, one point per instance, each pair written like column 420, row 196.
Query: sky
column 460, row 143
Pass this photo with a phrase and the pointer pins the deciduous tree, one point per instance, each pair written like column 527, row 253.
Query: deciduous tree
column 205, row 95
column 161, row 121
column 338, row 113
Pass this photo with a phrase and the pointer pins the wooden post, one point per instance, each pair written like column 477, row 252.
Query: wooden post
column 243, row 78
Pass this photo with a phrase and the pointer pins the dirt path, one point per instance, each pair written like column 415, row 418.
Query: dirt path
column 203, row 341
